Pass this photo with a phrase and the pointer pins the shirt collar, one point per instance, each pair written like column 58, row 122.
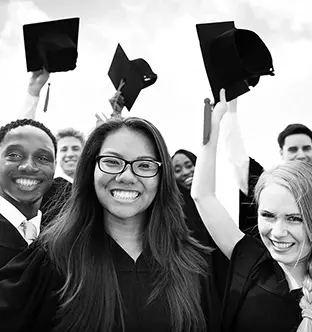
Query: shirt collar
column 60, row 173
column 16, row 217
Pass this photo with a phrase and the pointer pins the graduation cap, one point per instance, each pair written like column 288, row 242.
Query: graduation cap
column 234, row 58
column 136, row 74
column 52, row 45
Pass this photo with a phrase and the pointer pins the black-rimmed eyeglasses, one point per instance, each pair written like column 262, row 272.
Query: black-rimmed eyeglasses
column 115, row 165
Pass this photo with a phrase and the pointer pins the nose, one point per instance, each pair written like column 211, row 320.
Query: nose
column 28, row 166
column 127, row 176
column 279, row 229
column 70, row 153
column 185, row 171
column 301, row 155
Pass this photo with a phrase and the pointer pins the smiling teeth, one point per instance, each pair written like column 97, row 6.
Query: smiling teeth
column 27, row 182
column 188, row 180
column 119, row 194
column 282, row 245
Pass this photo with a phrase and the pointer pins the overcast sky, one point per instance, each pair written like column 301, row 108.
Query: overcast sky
column 163, row 33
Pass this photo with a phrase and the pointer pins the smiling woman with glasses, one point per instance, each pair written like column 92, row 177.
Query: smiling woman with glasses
column 120, row 256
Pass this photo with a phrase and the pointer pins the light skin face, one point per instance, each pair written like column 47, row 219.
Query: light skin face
column 297, row 146
column 125, row 197
column 69, row 150
column 27, row 165
column 282, row 229
column 183, row 170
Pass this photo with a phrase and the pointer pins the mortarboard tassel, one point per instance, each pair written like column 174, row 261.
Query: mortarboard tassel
column 45, row 108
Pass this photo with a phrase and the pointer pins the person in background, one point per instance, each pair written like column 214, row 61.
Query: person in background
column 269, row 282
column 70, row 143
column 123, row 224
column 27, row 165
column 184, row 163
column 295, row 143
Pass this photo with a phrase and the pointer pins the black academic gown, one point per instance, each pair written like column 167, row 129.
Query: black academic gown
column 54, row 199
column 29, row 298
column 247, row 206
column 11, row 241
column 220, row 262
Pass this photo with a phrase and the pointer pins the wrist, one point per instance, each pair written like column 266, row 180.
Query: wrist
column 34, row 90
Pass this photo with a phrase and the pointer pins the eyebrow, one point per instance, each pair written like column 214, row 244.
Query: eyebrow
column 19, row 146
column 121, row 156
column 286, row 215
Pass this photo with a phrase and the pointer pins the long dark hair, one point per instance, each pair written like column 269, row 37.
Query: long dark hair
column 78, row 246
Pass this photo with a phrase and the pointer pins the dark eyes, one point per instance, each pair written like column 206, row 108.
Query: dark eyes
column 44, row 158
column 187, row 166
column 15, row 156
column 267, row 215
column 294, row 219
column 271, row 216
column 295, row 149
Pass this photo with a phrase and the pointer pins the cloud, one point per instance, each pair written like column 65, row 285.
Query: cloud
column 163, row 33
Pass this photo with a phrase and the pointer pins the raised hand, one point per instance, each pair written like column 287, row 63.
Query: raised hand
column 220, row 109
column 100, row 118
column 117, row 101
column 37, row 80
column 232, row 106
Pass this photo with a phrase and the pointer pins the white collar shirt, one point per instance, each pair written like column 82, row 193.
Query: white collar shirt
column 16, row 218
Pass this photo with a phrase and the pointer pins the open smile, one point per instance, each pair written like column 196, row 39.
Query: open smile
column 282, row 246
column 188, row 180
column 125, row 195
column 25, row 184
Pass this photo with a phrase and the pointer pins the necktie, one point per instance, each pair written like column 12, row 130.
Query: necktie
column 29, row 230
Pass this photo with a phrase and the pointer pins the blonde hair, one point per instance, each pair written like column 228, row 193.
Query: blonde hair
column 296, row 176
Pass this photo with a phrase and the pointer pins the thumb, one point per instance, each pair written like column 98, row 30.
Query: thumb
column 222, row 95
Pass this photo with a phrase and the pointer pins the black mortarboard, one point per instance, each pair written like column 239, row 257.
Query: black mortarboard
column 52, row 45
column 137, row 75
column 234, row 58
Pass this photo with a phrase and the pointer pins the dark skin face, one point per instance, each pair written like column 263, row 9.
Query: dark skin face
column 183, row 170
column 27, row 166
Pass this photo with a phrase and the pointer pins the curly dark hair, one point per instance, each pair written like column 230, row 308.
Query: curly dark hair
column 26, row 122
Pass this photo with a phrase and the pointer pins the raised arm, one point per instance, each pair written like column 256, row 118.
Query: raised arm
column 37, row 80
column 117, row 103
column 219, row 223
column 235, row 148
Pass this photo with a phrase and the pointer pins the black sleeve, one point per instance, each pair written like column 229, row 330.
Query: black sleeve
column 246, row 255
column 54, row 199
column 247, row 205
column 27, row 286
column 245, row 259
